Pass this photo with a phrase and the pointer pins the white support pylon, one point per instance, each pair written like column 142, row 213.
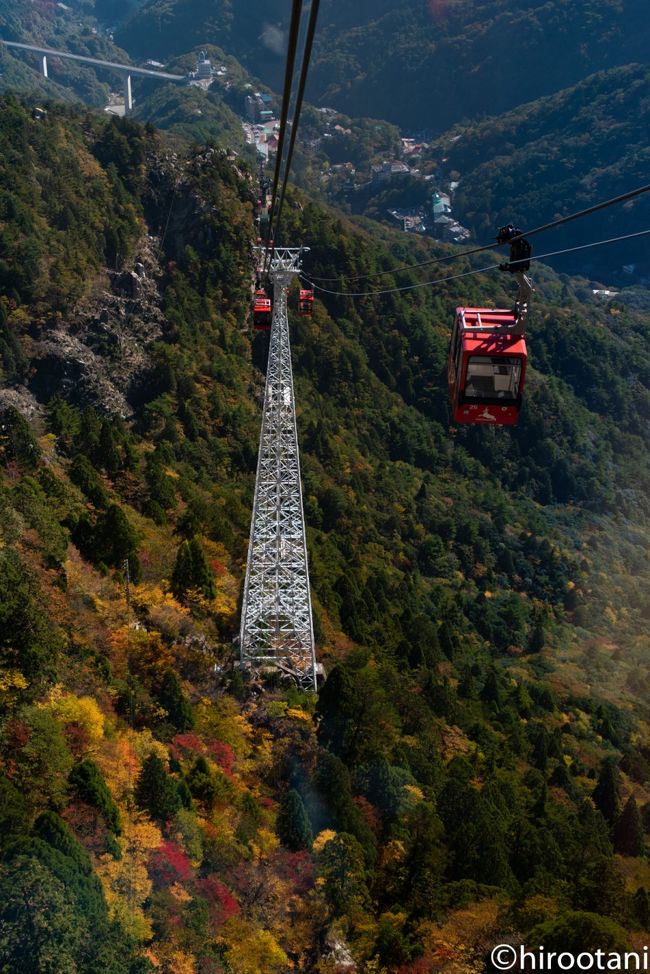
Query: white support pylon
column 128, row 95
column 277, row 629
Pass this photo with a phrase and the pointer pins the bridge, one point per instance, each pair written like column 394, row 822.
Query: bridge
column 125, row 70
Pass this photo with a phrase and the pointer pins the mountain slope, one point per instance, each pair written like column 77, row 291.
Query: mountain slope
column 558, row 155
column 421, row 66
column 479, row 597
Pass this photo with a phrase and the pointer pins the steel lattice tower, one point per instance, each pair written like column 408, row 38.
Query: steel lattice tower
column 276, row 625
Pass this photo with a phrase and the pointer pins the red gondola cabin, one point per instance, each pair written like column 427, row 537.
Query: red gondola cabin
column 487, row 367
column 306, row 303
column 262, row 311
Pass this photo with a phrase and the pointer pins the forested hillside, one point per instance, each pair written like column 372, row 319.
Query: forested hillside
column 477, row 764
column 423, row 65
column 558, row 154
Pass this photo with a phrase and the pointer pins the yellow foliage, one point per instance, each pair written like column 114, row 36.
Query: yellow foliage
column 416, row 794
column 146, row 596
column 251, row 950
column 178, row 962
column 265, row 842
column 144, row 653
column 263, row 756
column 298, row 714
column 126, row 881
column 119, row 764
column 225, row 603
column 12, row 683
column 394, row 851
column 222, row 721
column 70, row 709
column 180, row 894
column 144, row 744
column 323, row 838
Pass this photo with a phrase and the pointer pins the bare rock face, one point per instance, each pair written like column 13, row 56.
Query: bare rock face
column 337, row 953
column 22, row 400
column 95, row 355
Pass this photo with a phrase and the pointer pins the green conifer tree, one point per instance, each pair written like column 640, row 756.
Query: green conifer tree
column 491, row 692
column 156, row 791
column 628, row 831
column 203, row 577
column 293, row 825
column 642, row 907
column 191, row 571
column 606, row 794
column 87, row 779
column 179, row 709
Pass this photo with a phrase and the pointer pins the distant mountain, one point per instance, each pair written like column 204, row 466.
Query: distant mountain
column 420, row 65
column 555, row 156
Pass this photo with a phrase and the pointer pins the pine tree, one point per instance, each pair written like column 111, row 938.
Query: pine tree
column 191, row 571
column 293, row 825
column 203, row 577
column 539, row 757
column 491, row 692
column 171, row 696
column 606, row 793
column 628, row 832
column 92, row 789
column 336, row 704
column 642, row 907
column 111, row 459
column 182, row 575
column 467, row 684
column 156, row 791
column 537, row 638
column 447, row 640
column 17, row 442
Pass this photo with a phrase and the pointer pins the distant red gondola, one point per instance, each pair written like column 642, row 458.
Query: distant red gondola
column 262, row 311
column 487, row 366
column 306, row 303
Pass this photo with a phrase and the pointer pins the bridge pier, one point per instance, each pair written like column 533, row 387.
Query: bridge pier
column 128, row 95
column 44, row 63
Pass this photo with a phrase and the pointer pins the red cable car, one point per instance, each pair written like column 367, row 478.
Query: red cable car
column 262, row 311
column 306, row 303
column 487, row 366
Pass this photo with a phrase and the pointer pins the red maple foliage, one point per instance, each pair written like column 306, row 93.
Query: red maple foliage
column 369, row 812
column 169, row 864
column 77, row 738
column 224, row 755
column 221, row 902
column 296, row 868
column 18, row 733
column 184, row 744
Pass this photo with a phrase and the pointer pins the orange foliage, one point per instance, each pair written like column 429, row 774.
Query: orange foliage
column 143, row 653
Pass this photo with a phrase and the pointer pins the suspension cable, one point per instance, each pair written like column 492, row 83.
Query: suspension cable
column 294, row 31
column 478, row 250
column 478, row 270
column 311, row 29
